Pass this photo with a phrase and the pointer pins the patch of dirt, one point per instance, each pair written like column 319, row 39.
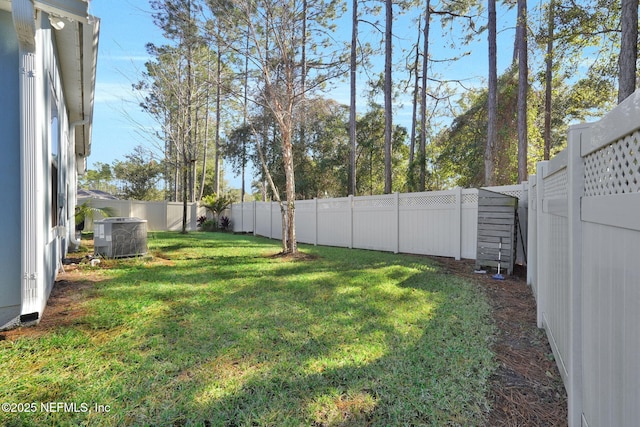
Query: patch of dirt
column 526, row 389
column 64, row 308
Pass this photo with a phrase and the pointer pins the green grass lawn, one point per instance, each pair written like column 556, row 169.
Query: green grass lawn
column 213, row 330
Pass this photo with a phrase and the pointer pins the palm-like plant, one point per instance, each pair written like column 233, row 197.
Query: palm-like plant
column 87, row 211
column 216, row 204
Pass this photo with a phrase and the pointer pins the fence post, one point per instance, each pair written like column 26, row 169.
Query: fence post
column 575, row 174
column 532, row 221
column 271, row 219
column 350, row 221
column 255, row 216
column 166, row 215
column 541, row 264
column 396, row 201
column 457, row 236
column 315, row 221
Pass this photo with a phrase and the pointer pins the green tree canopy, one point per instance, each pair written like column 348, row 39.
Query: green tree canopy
column 139, row 175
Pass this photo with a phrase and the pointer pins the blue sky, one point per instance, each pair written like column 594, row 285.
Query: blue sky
column 126, row 27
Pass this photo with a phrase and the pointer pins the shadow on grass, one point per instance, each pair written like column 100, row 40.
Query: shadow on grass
column 350, row 338
column 270, row 347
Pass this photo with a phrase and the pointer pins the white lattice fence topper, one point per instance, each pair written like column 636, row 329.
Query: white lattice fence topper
column 557, row 185
column 515, row 193
column 470, row 199
column 377, row 202
column 614, row 169
column 428, row 200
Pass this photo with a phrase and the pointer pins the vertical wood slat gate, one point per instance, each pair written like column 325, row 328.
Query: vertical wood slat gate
column 496, row 230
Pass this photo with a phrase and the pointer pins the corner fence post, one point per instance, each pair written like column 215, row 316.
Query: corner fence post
column 575, row 169
column 532, row 220
column 541, row 262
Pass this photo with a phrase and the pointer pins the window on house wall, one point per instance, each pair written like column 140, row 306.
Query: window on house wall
column 54, row 145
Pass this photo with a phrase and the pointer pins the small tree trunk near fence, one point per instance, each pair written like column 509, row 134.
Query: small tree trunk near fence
column 492, row 103
column 628, row 49
column 289, row 219
column 523, row 88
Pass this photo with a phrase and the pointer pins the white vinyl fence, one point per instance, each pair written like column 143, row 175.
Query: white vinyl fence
column 160, row 216
column 584, row 265
column 440, row 223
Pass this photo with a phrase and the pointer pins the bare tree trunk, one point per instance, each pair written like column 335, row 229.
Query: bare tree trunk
column 388, row 114
column 218, row 95
column 205, row 148
column 176, row 179
column 187, row 149
column 244, row 115
column 628, row 49
column 352, row 102
column 276, row 195
column 287, row 158
column 184, row 190
column 548, row 79
column 193, row 154
column 423, row 100
column 523, row 89
column 414, row 111
column 492, row 104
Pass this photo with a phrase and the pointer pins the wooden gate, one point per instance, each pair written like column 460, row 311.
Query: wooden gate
column 496, row 230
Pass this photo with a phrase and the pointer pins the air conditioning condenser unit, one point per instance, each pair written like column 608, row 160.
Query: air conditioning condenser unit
column 119, row 237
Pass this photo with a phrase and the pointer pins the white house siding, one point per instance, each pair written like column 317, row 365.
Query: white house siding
column 51, row 243
column 9, row 172
column 37, row 216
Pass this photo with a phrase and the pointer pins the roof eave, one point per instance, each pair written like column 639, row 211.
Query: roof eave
column 77, row 46
column 83, row 118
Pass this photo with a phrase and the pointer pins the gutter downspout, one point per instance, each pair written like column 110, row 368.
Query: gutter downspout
column 75, row 241
column 24, row 21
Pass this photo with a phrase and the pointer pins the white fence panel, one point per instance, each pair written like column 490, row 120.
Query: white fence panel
column 263, row 219
column 174, row 216
column 247, row 217
column 334, row 222
column 306, row 221
column 154, row 212
column 611, row 292
column 610, row 271
column 160, row 216
column 555, row 252
column 236, row 216
column 469, row 223
column 242, row 217
column 430, row 223
column 375, row 222
column 584, row 240
column 276, row 221
column 442, row 223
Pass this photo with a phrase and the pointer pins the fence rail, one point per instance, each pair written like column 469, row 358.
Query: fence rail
column 584, row 240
